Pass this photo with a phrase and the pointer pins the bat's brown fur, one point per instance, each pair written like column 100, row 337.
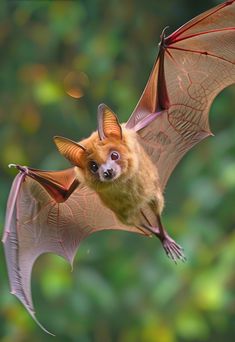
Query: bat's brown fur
column 136, row 187
column 131, row 189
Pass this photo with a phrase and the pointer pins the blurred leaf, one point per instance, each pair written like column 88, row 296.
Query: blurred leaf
column 47, row 92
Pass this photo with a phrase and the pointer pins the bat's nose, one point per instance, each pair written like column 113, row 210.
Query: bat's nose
column 108, row 174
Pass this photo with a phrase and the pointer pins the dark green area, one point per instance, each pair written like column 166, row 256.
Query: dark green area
column 123, row 288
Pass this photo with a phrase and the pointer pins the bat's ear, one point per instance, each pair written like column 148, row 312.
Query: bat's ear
column 108, row 125
column 70, row 149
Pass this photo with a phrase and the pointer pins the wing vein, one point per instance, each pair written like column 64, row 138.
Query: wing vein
column 202, row 33
column 205, row 53
column 186, row 27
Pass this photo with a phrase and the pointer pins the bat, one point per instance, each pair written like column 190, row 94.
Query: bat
column 119, row 173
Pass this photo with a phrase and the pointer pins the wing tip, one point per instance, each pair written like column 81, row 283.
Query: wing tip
column 31, row 311
column 32, row 314
column 42, row 327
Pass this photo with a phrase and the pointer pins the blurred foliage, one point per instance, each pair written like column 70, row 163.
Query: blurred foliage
column 59, row 60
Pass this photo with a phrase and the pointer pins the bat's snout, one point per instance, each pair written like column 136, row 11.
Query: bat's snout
column 109, row 174
column 109, row 171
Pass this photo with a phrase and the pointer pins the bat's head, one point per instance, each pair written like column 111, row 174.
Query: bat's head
column 105, row 156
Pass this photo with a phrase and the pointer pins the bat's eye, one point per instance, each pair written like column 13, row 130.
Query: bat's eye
column 115, row 155
column 93, row 166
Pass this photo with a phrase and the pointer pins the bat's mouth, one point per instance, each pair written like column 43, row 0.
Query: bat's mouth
column 109, row 175
column 109, row 171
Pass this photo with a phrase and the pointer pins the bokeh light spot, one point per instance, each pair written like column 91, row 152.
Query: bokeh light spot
column 76, row 83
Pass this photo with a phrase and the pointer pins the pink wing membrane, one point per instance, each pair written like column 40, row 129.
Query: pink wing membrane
column 199, row 62
column 218, row 18
column 37, row 224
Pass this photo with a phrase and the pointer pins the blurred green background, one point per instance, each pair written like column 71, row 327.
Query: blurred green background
column 59, row 60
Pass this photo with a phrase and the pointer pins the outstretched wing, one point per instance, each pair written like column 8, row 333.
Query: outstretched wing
column 41, row 219
column 194, row 64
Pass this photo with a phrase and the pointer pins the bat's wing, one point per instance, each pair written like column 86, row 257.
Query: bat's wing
column 49, row 211
column 193, row 65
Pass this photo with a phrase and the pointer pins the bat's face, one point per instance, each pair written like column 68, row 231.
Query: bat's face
column 103, row 158
column 105, row 161
column 107, row 171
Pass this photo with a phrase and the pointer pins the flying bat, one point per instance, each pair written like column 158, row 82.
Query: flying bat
column 119, row 173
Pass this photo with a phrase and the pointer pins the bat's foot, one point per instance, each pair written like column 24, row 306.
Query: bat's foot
column 173, row 250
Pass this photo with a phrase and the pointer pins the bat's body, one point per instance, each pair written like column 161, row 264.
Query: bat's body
column 124, row 176
column 137, row 186
column 120, row 172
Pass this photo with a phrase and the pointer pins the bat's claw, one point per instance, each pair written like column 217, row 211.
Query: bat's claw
column 173, row 250
column 162, row 36
column 11, row 165
column 23, row 169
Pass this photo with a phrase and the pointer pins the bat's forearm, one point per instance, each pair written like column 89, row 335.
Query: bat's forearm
column 59, row 184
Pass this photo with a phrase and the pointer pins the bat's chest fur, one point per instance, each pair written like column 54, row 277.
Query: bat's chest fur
column 131, row 193
column 127, row 199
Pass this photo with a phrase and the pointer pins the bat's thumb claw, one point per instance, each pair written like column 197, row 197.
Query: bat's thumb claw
column 23, row 169
column 162, row 36
column 11, row 165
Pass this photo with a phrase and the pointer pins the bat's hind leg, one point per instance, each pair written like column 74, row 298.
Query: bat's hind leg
column 173, row 250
